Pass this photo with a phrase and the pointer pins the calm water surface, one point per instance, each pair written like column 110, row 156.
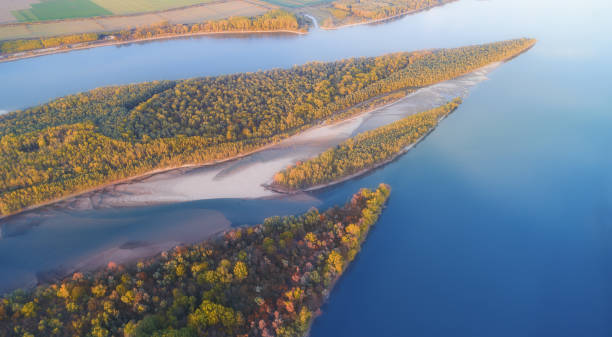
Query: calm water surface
column 499, row 223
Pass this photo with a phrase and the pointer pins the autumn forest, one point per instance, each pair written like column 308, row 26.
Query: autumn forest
column 264, row 280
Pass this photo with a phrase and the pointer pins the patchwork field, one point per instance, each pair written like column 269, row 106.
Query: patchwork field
column 210, row 11
column 60, row 9
column 120, row 7
column 45, row 10
column 9, row 6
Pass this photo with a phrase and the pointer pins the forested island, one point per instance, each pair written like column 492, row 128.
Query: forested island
column 86, row 140
column 266, row 280
column 361, row 153
column 273, row 21
column 350, row 12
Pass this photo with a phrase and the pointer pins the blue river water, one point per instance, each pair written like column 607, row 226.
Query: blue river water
column 499, row 223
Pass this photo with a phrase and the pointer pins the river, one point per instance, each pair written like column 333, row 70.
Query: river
column 499, row 223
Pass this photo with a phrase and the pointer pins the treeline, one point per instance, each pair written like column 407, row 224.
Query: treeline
column 270, row 21
column 362, row 152
column 82, row 141
column 354, row 11
column 16, row 46
column 264, row 280
column 277, row 19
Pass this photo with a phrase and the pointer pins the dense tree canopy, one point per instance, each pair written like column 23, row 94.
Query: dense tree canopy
column 16, row 46
column 264, row 280
column 355, row 11
column 82, row 141
column 364, row 151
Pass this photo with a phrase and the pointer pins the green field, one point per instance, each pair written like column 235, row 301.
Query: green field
column 60, row 9
column 120, row 7
column 70, row 9
column 187, row 15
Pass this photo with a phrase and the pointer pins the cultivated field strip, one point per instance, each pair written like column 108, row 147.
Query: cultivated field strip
column 210, row 11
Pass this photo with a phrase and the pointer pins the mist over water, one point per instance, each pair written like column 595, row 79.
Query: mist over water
column 499, row 223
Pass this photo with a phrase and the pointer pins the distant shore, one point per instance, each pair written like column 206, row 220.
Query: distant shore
column 367, row 22
column 106, row 43
column 371, row 21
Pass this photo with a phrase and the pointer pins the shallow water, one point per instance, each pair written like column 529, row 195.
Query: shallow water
column 499, row 223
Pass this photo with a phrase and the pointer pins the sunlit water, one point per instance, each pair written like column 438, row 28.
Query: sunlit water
column 499, row 223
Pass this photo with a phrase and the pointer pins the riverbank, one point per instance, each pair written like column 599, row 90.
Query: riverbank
column 373, row 21
column 96, row 44
column 105, row 43
column 133, row 251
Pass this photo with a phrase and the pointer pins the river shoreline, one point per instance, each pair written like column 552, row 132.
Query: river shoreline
column 96, row 44
column 103, row 43
column 373, row 21
column 280, row 189
column 132, row 252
